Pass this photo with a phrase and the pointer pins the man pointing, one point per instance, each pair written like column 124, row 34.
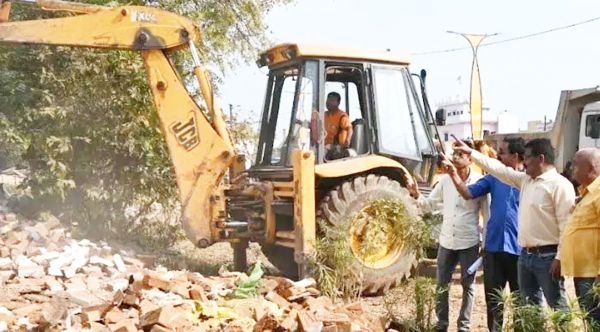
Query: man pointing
column 546, row 198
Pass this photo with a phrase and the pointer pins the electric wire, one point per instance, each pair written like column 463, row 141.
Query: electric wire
column 530, row 35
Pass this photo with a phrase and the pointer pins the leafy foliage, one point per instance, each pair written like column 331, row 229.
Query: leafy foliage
column 84, row 122
column 394, row 224
column 331, row 267
column 244, row 134
column 525, row 317
column 423, row 292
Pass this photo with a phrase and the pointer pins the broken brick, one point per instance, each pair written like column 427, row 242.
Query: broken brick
column 290, row 323
column 166, row 316
column 114, row 315
column 127, row 325
column 153, row 280
column 147, row 306
column 308, row 323
column 277, row 299
column 197, row 293
column 180, row 289
column 131, row 299
column 91, row 316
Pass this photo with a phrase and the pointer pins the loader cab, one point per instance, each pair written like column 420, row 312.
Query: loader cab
column 377, row 93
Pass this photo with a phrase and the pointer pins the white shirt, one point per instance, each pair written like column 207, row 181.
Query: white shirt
column 460, row 226
column 545, row 202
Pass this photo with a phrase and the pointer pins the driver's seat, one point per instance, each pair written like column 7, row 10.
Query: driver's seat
column 358, row 142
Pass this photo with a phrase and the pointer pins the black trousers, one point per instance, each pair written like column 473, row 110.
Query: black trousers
column 499, row 268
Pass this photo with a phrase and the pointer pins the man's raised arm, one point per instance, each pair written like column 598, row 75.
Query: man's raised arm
column 493, row 166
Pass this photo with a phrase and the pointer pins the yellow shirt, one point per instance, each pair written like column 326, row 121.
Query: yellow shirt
column 580, row 243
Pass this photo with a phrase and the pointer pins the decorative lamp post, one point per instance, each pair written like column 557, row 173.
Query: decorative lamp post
column 475, row 102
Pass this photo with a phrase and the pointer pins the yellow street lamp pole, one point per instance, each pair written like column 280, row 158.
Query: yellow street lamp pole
column 475, row 102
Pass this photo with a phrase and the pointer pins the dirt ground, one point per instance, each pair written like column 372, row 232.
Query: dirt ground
column 211, row 259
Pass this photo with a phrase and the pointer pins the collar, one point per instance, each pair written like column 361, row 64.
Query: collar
column 548, row 174
column 472, row 174
column 591, row 188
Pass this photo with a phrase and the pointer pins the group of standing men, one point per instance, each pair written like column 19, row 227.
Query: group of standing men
column 536, row 229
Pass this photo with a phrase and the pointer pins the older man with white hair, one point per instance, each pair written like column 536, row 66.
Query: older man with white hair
column 580, row 242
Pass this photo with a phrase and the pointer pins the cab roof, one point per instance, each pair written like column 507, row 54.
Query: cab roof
column 287, row 52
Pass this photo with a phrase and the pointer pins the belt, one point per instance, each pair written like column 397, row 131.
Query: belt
column 541, row 249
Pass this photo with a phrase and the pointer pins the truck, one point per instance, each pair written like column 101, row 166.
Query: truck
column 576, row 126
column 294, row 195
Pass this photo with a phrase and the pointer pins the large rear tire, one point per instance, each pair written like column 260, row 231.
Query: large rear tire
column 342, row 215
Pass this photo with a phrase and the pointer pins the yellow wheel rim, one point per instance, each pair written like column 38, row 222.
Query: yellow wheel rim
column 372, row 242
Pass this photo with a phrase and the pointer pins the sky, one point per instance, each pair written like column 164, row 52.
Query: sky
column 524, row 77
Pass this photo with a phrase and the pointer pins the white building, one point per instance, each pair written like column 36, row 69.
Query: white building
column 538, row 126
column 457, row 121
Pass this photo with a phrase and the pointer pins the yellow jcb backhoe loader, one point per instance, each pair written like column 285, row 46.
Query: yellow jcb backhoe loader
column 292, row 184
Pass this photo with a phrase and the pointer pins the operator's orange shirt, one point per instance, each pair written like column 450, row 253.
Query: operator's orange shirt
column 337, row 123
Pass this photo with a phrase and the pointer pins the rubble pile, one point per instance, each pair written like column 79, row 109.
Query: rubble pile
column 51, row 282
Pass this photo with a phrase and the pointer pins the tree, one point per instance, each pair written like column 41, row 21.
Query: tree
column 84, row 120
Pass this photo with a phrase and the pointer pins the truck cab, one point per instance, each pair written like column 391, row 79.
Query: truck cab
column 576, row 126
column 589, row 128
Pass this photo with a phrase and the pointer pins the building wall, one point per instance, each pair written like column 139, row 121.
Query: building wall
column 458, row 121
column 538, row 126
column 462, row 130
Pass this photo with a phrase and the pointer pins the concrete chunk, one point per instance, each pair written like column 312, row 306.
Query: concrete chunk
column 6, row 263
column 28, row 268
column 119, row 264
column 96, row 260
column 119, row 285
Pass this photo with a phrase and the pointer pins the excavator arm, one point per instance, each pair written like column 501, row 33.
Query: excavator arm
column 199, row 147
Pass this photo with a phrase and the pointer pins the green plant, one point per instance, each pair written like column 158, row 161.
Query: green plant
column 425, row 300
column 524, row 317
column 330, row 266
column 389, row 222
column 434, row 222
column 424, row 292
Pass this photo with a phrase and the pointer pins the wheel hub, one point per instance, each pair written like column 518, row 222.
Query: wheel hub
column 372, row 240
